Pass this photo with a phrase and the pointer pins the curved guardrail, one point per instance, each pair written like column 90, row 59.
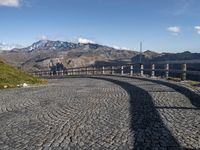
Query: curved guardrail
column 160, row 69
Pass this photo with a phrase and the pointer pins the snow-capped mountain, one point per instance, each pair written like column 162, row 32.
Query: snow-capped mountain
column 39, row 55
column 51, row 45
column 59, row 46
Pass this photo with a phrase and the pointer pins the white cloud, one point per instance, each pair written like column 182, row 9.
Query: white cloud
column 174, row 29
column 125, row 48
column 51, row 37
column 122, row 48
column 197, row 28
column 116, row 47
column 85, row 41
column 10, row 3
column 6, row 46
column 43, row 37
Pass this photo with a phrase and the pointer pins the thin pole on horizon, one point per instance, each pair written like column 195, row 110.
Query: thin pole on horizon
column 140, row 52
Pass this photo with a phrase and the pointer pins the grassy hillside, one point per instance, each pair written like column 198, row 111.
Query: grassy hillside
column 11, row 77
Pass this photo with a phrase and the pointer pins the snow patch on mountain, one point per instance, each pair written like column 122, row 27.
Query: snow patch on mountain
column 51, row 45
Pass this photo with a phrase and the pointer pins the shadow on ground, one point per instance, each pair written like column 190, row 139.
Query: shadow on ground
column 192, row 96
column 148, row 128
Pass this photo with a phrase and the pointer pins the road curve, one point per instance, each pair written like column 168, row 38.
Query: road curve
column 98, row 113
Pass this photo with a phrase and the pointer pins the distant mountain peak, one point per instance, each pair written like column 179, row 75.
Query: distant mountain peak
column 149, row 51
column 51, row 45
column 186, row 52
column 60, row 45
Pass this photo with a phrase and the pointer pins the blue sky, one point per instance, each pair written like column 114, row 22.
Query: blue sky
column 162, row 25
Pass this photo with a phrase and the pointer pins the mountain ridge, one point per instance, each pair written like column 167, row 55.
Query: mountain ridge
column 44, row 53
column 57, row 45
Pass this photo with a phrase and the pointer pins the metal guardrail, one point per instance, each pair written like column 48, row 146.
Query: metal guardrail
column 127, row 69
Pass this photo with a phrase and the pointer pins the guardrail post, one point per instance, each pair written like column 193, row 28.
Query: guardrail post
column 112, row 70
column 66, row 72
column 122, row 70
column 141, row 69
column 153, row 70
column 72, row 72
column 184, row 69
column 131, row 70
column 167, row 71
column 103, row 70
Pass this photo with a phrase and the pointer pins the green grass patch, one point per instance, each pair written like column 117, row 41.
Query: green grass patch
column 174, row 79
column 193, row 83
column 189, row 83
column 11, row 77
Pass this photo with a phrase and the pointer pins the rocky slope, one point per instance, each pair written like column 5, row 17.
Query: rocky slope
column 42, row 54
column 150, row 56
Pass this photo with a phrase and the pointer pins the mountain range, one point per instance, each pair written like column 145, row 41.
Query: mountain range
column 45, row 53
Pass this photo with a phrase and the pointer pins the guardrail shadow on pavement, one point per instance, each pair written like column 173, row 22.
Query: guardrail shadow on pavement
column 182, row 108
column 192, row 96
column 146, row 123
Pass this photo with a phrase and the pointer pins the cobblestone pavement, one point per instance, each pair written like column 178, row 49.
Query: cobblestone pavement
column 98, row 113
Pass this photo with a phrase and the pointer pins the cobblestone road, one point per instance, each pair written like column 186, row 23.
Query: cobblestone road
column 98, row 113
